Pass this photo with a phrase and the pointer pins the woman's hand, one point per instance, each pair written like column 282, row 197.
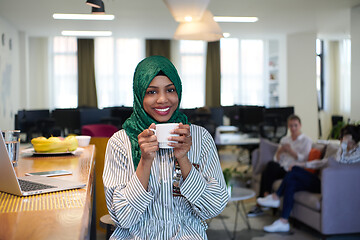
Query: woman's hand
column 184, row 141
column 148, row 144
column 182, row 147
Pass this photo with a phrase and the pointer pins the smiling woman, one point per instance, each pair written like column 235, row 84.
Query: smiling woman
column 154, row 193
column 161, row 99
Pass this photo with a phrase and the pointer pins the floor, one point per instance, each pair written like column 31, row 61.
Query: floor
column 222, row 226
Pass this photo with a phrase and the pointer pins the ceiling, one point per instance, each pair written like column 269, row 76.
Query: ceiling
column 152, row 19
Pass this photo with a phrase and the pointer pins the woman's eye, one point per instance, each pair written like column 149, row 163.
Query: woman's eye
column 150, row 92
column 171, row 90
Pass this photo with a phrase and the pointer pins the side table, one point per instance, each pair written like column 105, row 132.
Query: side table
column 237, row 196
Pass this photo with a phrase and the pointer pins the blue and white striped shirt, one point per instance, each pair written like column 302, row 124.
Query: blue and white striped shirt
column 155, row 213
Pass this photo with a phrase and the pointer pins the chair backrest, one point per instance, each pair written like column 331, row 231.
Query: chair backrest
column 99, row 130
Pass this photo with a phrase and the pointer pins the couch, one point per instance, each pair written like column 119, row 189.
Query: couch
column 334, row 211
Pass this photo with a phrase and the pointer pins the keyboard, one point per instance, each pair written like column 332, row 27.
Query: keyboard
column 28, row 186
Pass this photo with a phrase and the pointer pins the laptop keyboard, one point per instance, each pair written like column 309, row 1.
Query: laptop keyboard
column 27, row 186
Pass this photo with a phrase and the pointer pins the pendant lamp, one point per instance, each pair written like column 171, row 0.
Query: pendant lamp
column 206, row 29
column 100, row 10
column 94, row 3
column 187, row 10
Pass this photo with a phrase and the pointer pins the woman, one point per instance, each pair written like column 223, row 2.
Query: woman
column 139, row 202
column 298, row 179
column 292, row 149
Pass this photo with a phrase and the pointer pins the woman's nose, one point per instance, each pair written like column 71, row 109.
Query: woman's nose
column 162, row 98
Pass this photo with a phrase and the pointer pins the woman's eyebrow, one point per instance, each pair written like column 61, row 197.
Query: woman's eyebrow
column 171, row 84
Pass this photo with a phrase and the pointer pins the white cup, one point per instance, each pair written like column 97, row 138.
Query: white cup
column 162, row 133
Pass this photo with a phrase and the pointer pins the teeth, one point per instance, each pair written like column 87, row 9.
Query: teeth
column 162, row 109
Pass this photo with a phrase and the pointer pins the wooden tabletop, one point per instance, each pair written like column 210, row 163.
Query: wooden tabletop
column 60, row 215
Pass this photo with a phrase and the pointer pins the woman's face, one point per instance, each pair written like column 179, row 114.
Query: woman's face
column 161, row 99
column 347, row 138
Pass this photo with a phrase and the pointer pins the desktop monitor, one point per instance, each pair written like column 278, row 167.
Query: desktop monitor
column 121, row 113
column 278, row 114
column 27, row 119
column 68, row 119
column 33, row 122
column 233, row 113
column 93, row 115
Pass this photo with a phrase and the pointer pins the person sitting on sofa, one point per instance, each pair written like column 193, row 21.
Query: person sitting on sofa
column 299, row 179
column 292, row 149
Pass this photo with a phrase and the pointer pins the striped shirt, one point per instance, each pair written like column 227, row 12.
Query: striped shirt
column 155, row 213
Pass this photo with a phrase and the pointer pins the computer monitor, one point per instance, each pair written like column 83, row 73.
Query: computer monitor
column 246, row 117
column 121, row 113
column 93, row 115
column 33, row 122
column 279, row 114
column 68, row 119
column 217, row 114
column 189, row 112
column 27, row 119
column 233, row 113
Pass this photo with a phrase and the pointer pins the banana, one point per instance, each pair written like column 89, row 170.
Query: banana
column 54, row 144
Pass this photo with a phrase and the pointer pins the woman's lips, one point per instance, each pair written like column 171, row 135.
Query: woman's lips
column 162, row 111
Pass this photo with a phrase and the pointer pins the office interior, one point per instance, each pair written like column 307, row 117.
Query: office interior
column 295, row 25
column 25, row 66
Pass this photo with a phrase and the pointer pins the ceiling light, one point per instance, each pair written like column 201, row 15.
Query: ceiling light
column 235, row 19
column 83, row 16
column 100, row 10
column 188, row 18
column 87, row 33
column 180, row 9
column 94, row 3
column 206, row 29
column 226, row 35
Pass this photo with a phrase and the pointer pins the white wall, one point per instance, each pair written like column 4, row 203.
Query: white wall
column 301, row 80
column 9, row 75
column 38, row 74
column 355, row 64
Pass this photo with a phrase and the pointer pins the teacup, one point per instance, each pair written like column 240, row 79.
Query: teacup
column 163, row 132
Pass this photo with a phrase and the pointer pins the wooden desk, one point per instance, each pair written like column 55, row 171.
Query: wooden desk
column 60, row 215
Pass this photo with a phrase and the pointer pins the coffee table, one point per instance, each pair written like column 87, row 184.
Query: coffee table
column 237, row 196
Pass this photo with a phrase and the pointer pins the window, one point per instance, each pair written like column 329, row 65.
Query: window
column 242, row 72
column 64, row 87
column 115, row 63
column 320, row 72
column 191, row 67
column 344, row 76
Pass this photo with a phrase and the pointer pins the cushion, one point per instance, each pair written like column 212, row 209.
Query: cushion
column 321, row 147
column 314, row 154
column 331, row 150
column 308, row 199
column 267, row 150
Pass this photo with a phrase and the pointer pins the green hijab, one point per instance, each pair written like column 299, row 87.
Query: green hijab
column 139, row 120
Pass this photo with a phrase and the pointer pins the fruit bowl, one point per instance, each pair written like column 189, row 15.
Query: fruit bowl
column 54, row 144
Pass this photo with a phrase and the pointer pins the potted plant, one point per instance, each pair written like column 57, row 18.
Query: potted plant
column 336, row 129
column 233, row 176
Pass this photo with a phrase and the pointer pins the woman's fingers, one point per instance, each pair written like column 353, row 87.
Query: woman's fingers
column 184, row 134
column 148, row 143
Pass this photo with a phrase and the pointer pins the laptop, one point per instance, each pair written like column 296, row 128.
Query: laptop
column 28, row 185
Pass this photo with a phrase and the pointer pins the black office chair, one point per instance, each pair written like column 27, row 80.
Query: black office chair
column 273, row 128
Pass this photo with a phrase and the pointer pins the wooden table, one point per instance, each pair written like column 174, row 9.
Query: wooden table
column 60, row 215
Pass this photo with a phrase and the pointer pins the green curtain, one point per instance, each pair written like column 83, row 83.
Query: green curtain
column 213, row 75
column 158, row 47
column 86, row 74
